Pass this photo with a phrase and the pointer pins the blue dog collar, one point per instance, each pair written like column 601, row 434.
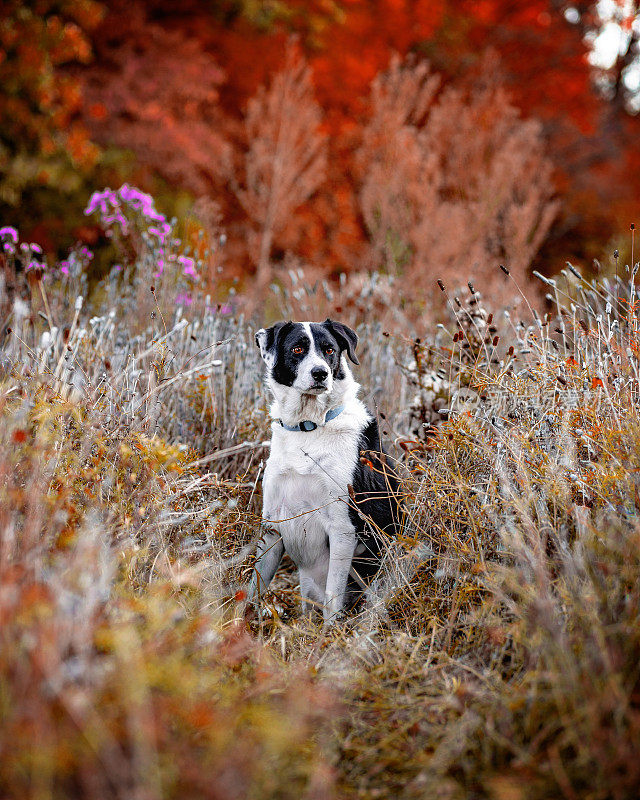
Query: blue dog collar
column 306, row 426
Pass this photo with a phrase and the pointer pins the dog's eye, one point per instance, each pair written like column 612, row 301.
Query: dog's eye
column 297, row 350
column 329, row 351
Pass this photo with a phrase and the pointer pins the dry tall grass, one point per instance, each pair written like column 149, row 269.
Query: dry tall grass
column 498, row 655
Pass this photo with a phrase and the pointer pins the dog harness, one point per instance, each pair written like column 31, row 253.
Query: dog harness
column 306, row 425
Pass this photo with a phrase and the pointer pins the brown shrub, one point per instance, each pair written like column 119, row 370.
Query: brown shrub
column 453, row 184
column 285, row 158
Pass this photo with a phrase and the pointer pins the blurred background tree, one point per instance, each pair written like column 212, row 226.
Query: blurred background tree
column 157, row 93
column 45, row 150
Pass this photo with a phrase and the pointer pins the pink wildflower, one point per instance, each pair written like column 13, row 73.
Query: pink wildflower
column 9, row 232
column 189, row 265
column 101, row 200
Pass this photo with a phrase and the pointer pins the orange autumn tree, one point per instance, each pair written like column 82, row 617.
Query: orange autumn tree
column 544, row 58
column 359, row 45
column 44, row 148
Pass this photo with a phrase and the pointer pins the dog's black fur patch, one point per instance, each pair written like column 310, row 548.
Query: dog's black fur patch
column 375, row 500
column 346, row 337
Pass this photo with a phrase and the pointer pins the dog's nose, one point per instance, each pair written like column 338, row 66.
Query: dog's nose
column 319, row 374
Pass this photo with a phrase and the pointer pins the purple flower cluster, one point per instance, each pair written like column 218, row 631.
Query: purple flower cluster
column 9, row 239
column 9, row 233
column 110, row 206
column 108, row 203
column 77, row 261
column 27, row 251
column 189, row 265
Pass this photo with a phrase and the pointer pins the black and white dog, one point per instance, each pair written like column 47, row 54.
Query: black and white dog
column 330, row 496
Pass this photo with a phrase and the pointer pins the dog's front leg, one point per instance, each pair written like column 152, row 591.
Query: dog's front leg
column 341, row 548
column 268, row 557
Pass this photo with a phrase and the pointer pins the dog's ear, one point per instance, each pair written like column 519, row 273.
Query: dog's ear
column 346, row 338
column 267, row 339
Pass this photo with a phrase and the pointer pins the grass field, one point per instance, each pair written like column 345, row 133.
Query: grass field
column 499, row 652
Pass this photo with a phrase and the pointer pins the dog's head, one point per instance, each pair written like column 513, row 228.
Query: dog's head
column 308, row 357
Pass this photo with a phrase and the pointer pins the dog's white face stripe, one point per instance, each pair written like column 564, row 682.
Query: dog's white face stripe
column 307, row 330
column 305, row 379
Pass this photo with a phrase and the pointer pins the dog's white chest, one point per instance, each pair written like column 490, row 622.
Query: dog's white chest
column 301, row 510
column 306, row 490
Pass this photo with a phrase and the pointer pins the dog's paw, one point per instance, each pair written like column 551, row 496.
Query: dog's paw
column 334, row 621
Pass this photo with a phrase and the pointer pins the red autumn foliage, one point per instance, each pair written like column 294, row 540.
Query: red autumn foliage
column 173, row 83
column 543, row 56
column 154, row 91
column 357, row 48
